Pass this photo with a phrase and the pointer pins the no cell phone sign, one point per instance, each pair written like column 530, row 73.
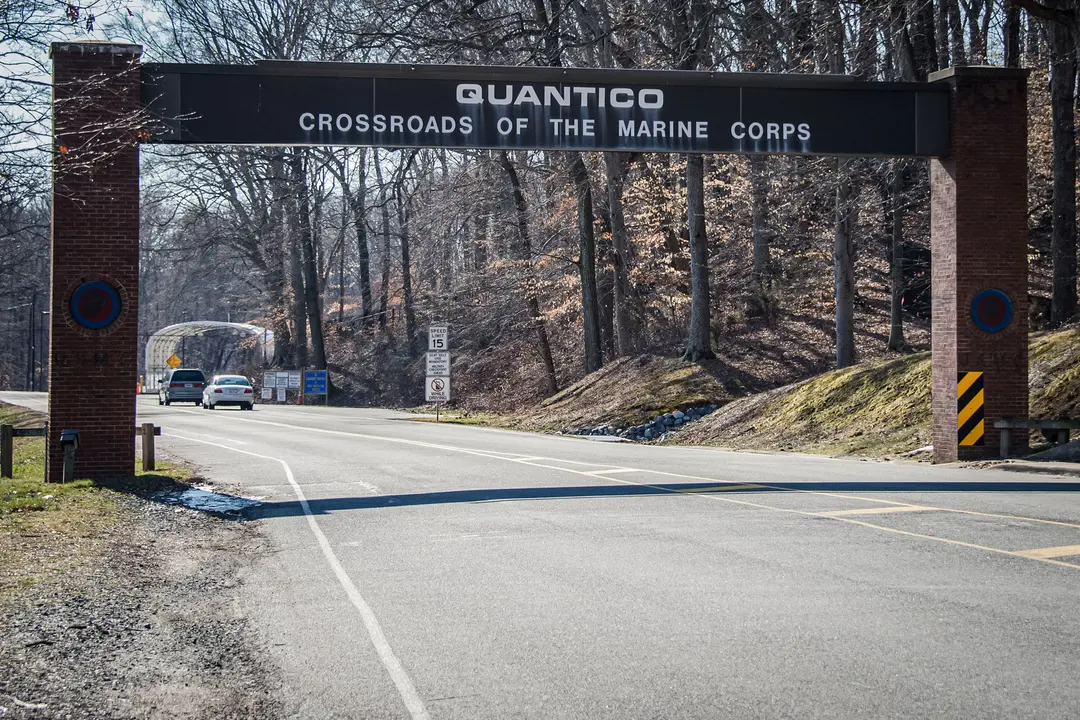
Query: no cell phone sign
column 95, row 305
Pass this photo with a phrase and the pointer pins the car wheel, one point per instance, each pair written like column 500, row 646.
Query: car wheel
column 210, row 406
column 250, row 406
column 168, row 401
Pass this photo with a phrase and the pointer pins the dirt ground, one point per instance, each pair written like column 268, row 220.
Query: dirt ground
column 144, row 626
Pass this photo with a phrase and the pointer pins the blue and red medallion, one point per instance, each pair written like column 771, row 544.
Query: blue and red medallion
column 95, row 305
column 992, row 311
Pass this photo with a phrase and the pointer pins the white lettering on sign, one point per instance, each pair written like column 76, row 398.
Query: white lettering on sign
column 343, row 122
column 438, row 363
column 770, row 131
column 553, row 95
column 437, row 389
column 664, row 129
column 438, row 337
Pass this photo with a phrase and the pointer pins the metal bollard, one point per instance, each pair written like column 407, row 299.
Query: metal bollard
column 7, row 450
column 147, row 446
column 69, row 441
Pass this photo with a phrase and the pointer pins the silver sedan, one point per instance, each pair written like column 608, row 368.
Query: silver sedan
column 229, row 390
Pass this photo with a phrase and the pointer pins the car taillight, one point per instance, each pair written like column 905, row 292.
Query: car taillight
column 198, row 385
column 176, row 384
column 217, row 390
column 247, row 391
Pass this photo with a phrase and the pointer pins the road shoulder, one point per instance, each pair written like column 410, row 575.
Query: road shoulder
column 144, row 624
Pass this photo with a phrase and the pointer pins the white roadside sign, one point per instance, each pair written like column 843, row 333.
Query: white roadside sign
column 283, row 380
column 294, row 379
column 281, row 394
column 437, row 389
column 267, row 392
column 438, row 363
column 438, row 337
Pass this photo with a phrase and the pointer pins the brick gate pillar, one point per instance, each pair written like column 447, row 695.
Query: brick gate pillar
column 93, row 353
column 979, row 261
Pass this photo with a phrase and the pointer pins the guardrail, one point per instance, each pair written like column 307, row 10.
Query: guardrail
column 8, row 433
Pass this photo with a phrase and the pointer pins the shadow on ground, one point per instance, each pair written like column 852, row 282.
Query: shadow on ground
column 329, row 505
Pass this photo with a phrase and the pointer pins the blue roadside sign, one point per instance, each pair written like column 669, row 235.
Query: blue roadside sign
column 314, row 382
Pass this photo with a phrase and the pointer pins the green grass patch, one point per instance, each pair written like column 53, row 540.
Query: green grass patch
column 462, row 418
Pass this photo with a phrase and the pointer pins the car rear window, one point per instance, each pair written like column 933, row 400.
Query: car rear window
column 188, row 376
column 232, row 381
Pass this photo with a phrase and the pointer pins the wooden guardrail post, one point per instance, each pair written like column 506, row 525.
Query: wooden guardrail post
column 7, row 450
column 147, row 446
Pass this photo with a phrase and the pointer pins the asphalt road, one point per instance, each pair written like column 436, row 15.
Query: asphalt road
column 414, row 571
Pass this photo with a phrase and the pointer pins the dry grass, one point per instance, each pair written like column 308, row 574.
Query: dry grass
column 878, row 408
column 627, row 392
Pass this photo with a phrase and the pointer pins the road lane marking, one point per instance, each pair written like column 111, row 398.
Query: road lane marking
column 877, row 510
column 609, row 471
column 712, row 496
column 468, row 451
column 398, row 675
column 1052, row 552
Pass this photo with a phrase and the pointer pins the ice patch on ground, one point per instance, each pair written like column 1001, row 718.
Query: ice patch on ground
column 205, row 499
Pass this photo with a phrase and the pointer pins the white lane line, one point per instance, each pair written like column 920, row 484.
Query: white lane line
column 400, row 677
column 191, row 432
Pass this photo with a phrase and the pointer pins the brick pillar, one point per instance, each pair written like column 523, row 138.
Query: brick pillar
column 979, row 243
column 93, row 354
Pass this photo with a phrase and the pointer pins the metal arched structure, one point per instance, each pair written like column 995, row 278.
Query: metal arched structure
column 163, row 344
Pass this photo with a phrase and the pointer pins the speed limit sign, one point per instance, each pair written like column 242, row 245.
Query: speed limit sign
column 438, row 337
column 437, row 389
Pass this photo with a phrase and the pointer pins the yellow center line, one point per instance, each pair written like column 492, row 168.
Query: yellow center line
column 877, row 510
column 862, row 523
column 847, row 496
column 1043, row 553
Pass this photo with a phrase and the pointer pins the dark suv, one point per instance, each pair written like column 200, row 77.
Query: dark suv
column 182, row 385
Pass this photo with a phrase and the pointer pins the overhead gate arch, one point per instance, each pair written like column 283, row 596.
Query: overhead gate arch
column 972, row 122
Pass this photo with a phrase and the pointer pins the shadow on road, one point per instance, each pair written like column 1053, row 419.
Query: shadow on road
column 368, row 502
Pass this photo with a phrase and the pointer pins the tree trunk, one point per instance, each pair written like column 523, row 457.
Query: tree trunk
column 590, row 310
column 363, row 254
column 531, row 302
column 625, row 328
column 698, row 346
column 759, row 220
column 1062, row 99
column 312, row 298
column 941, row 34
column 1011, row 33
column 844, row 268
column 956, row 33
column 896, row 261
column 384, row 207
column 296, row 277
column 406, row 269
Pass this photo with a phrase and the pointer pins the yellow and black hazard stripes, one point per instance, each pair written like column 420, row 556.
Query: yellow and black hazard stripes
column 969, row 408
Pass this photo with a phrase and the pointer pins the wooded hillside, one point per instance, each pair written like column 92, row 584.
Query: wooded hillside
column 545, row 265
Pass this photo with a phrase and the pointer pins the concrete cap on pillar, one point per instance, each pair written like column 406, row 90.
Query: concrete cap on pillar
column 94, row 47
column 977, row 71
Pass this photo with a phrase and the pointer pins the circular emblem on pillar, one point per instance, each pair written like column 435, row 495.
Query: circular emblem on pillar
column 95, row 305
column 991, row 310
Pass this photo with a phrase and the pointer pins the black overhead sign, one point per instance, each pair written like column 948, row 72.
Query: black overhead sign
column 283, row 103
